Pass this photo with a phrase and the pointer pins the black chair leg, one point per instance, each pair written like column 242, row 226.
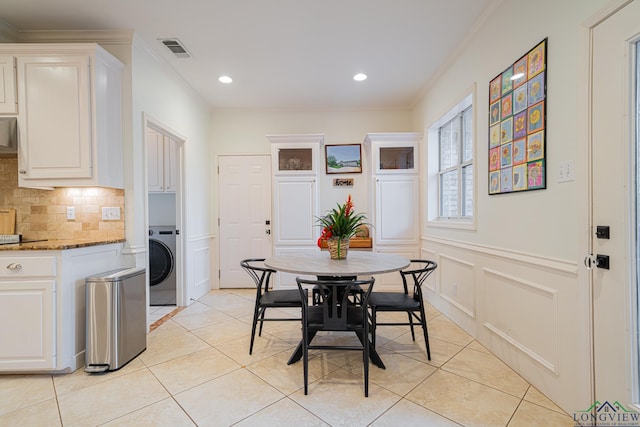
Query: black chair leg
column 373, row 327
column 253, row 329
column 365, row 361
column 425, row 333
column 413, row 335
column 262, row 313
column 305, row 361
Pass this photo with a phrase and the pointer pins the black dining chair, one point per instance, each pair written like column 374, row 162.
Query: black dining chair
column 267, row 297
column 334, row 311
column 411, row 303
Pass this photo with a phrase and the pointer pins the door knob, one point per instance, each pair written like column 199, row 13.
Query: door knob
column 597, row 261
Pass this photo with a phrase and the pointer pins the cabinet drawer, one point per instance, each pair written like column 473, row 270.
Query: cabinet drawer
column 27, row 266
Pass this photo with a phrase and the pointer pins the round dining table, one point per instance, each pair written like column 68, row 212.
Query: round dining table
column 355, row 264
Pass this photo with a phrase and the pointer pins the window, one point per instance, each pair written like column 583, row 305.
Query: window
column 456, row 167
column 450, row 174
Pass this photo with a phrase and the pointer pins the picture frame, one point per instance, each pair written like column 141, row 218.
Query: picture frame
column 343, row 159
column 517, row 124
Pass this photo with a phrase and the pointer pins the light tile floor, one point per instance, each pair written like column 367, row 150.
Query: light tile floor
column 196, row 370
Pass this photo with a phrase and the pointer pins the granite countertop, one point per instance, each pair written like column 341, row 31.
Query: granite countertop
column 56, row 245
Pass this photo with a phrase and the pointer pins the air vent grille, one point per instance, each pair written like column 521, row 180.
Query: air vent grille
column 177, row 48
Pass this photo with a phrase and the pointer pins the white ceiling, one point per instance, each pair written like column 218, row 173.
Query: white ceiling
column 282, row 53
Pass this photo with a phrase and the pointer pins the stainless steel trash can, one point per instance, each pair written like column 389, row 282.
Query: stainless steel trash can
column 116, row 318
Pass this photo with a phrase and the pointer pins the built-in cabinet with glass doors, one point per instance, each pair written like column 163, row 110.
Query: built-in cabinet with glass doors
column 295, row 161
column 394, row 194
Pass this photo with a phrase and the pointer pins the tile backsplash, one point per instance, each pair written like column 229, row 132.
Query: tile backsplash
column 42, row 214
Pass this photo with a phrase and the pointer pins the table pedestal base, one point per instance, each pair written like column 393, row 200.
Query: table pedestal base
column 373, row 354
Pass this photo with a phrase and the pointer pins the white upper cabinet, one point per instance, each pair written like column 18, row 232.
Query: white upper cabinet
column 394, row 153
column 295, row 154
column 8, row 101
column 162, row 156
column 69, row 115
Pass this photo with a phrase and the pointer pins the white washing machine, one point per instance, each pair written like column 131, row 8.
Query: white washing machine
column 162, row 265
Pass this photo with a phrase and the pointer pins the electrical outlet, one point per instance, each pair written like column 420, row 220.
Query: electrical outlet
column 71, row 212
column 111, row 213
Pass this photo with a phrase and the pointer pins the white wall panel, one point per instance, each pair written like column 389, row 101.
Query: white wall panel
column 524, row 314
column 457, row 284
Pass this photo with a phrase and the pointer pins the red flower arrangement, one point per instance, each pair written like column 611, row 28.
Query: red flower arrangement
column 340, row 222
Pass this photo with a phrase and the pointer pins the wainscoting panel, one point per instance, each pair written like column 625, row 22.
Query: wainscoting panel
column 524, row 314
column 531, row 311
column 457, row 284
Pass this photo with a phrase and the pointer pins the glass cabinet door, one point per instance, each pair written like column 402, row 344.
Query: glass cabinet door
column 295, row 159
column 396, row 158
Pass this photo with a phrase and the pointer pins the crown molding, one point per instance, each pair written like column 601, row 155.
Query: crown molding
column 124, row 37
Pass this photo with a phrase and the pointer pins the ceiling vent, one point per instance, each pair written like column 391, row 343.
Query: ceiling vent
column 177, row 48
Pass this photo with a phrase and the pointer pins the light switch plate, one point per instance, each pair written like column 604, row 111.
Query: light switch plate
column 111, row 213
column 71, row 212
column 567, row 171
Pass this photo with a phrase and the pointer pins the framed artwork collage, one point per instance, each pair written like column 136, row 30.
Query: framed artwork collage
column 517, row 124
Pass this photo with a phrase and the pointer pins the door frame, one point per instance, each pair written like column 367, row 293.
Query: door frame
column 182, row 289
column 612, row 8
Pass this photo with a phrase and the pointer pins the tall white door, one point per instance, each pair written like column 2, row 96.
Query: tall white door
column 245, row 215
column 614, row 198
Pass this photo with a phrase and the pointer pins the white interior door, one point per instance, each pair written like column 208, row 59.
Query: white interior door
column 245, row 215
column 614, row 157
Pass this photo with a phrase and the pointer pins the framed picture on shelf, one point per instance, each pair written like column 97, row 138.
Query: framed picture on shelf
column 343, row 158
column 517, row 124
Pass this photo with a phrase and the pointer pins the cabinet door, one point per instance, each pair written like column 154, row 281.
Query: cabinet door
column 155, row 162
column 295, row 211
column 27, row 313
column 55, row 117
column 170, row 164
column 397, row 210
column 8, row 104
column 161, row 163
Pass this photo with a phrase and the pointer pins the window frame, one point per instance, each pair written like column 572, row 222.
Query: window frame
column 433, row 174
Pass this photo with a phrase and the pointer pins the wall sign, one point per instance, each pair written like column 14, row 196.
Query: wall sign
column 517, row 124
column 343, row 182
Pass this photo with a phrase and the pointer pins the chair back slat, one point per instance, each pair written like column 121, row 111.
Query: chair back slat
column 261, row 275
column 333, row 299
column 418, row 276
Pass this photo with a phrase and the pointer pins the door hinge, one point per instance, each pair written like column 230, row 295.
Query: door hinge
column 219, row 275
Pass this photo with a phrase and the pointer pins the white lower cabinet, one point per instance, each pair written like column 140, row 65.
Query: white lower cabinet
column 42, row 306
column 27, row 313
column 397, row 210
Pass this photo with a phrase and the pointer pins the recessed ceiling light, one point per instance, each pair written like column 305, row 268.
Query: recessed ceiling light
column 360, row 77
column 225, row 79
